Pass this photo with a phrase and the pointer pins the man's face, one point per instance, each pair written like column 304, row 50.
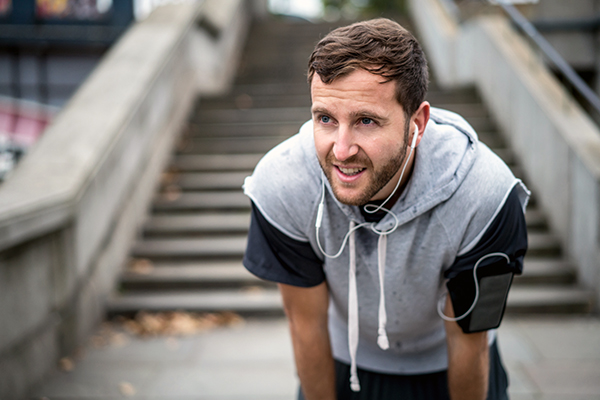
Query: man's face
column 359, row 132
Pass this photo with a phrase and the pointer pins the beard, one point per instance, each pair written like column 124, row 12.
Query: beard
column 378, row 179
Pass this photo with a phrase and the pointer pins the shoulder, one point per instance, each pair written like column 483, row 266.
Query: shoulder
column 482, row 195
column 285, row 184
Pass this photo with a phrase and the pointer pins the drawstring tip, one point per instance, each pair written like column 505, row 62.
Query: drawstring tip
column 383, row 342
column 354, row 384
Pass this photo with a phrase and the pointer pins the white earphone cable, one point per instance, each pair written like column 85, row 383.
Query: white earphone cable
column 412, row 147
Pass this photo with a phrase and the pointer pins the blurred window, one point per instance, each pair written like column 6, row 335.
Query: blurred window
column 78, row 10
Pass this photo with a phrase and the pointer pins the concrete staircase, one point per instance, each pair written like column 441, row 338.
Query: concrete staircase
column 189, row 255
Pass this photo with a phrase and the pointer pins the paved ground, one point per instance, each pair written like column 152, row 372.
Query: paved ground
column 548, row 358
column 552, row 358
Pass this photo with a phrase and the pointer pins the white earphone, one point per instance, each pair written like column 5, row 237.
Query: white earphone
column 415, row 135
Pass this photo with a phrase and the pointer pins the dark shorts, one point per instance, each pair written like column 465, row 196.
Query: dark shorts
column 434, row 386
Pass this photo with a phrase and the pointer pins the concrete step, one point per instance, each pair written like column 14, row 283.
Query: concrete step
column 289, row 73
column 276, row 63
column 191, row 275
column 506, row 155
column 518, row 172
column 197, row 224
column 546, row 271
column 215, row 162
column 492, row 140
column 230, row 247
column 543, row 244
column 244, row 101
column 465, row 95
column 549, row 299
column 536, row 220
column 240, row 130
column 209, row 180
column 466, row 110
column 301, row 35
column 202, row 201
column 251, row 302
column 233, row 145
column 250, row 116
column 273, row 90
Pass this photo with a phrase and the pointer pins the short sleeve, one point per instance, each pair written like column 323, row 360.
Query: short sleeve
column 271, row 255
column 506, row 234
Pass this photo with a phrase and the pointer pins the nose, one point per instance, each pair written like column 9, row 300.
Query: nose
column 344, row 146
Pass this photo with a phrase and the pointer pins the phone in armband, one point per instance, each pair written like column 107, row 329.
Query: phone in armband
column 479, row 295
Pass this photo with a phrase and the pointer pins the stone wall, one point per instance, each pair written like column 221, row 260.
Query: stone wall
column 71, row 210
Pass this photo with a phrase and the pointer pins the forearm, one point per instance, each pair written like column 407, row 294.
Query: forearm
column 306, row 309
column 468, row 362
column 314, row 362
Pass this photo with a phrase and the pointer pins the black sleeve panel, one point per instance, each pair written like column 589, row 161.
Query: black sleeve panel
column 274, row 256
column 506, row 234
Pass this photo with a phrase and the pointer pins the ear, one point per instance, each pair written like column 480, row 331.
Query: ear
column 419, row 121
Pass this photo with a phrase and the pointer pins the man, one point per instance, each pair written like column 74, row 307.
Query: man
column 375, row 220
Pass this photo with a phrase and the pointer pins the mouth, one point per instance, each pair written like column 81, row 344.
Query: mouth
column 350, row 171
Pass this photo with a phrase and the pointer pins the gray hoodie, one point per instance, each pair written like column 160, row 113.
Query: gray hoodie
column 456, row 189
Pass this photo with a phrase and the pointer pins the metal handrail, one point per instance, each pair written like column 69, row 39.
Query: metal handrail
column 549, row 52
column 552, row 55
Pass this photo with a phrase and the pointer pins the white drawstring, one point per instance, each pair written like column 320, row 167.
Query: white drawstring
column 382, row 339
column 353, row 324
column 353, row 313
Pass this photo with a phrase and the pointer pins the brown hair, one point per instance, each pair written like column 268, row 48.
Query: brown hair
column 380, row 46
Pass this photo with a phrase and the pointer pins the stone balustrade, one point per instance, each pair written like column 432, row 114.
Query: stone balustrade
column 71, row 210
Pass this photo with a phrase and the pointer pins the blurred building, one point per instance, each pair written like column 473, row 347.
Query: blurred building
column 47, row 49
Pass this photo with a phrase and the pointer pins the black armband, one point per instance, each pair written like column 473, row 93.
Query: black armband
column 486, row 311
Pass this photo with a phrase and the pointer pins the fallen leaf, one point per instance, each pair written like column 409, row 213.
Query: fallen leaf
column 253, row 289
column 140, row 266
column 98, row 341
column 119, row 340
column 171, row 193
column 244, row 101
column 127, row 389
column 178, row 323
column 169, row 177
column 66, row 364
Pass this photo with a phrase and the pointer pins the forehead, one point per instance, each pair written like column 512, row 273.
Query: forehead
column 358, row 87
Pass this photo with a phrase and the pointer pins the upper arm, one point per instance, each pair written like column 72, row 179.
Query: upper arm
column 507, row 235
column 306, row 306
column 274, row 256
column 457, row 340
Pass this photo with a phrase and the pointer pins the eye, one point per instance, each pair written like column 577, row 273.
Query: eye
column 325, row 119
column 366, row 121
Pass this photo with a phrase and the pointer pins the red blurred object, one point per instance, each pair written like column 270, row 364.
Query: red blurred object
column 5, row 7
column 23, row 122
